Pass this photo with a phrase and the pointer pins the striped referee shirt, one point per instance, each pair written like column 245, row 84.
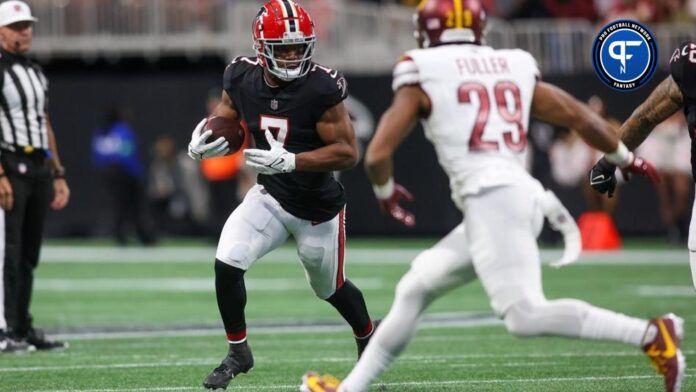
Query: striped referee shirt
column 22, row 104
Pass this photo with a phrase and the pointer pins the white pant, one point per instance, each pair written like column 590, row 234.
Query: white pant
column 692, row 243
column 496, row 243
column 260, row 225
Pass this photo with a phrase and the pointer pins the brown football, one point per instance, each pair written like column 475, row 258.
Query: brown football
column 231, row 130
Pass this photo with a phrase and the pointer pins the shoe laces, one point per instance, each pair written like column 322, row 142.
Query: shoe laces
column 657, row 360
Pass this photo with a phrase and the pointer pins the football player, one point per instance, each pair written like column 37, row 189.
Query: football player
column 677, row 91
column 294, row 110
column 475, row 102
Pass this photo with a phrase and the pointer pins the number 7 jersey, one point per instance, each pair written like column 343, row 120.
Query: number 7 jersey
column 291, row 114
column 480, row 102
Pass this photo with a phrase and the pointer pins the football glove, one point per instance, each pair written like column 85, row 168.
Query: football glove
column 198, row 148
column 274, row 161
column 641, row 167
column 389, row 196
column 603, row 179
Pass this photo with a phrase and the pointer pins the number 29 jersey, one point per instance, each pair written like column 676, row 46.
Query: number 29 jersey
column 290, row 113
column 480, row 102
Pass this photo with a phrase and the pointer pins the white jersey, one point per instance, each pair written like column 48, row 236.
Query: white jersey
column 480, row 102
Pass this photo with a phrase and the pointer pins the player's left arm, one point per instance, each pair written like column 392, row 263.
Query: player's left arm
column 396, row 123
column 61, row 191
column 663, row 102
column 340, row 152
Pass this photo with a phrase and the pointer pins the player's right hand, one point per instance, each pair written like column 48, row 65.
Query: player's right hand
column 6, row 195
column 603, row 180
column 390, row 206
column 198, row 148
column 602, row 177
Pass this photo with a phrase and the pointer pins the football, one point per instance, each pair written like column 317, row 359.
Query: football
column 231, row 130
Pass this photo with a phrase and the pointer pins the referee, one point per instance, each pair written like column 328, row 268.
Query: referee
column 31, row 176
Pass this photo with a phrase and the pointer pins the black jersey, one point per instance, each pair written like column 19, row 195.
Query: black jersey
column 291, row 113
column 682, row 67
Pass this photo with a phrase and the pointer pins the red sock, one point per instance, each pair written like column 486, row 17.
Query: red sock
column 365, row 332
column 236, row 337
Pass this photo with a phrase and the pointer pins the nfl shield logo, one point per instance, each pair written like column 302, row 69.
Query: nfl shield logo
column 274, row 104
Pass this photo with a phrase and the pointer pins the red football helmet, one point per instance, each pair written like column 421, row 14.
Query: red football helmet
column 449, row 21
column 284, row 39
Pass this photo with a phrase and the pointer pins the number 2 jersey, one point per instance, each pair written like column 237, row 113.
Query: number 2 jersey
column 682, row 67
column 291, row 113
column 480, row 102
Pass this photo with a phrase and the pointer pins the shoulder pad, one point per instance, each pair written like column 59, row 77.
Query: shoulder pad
column 331, row 84
column 237, row 68
column 405, row 73
column 682, row 67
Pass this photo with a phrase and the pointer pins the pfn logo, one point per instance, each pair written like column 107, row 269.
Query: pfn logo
column 624, row 55
column 621, row 55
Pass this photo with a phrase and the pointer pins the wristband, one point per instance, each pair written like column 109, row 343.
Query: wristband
column 384, row 191
column 621, row 157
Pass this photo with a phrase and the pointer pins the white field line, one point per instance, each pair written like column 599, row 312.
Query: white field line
column 388, row 384
column 439, row 320
column 269, row 360
column 181, row 284
column 346, row 359
column 288, row 255
column 664, row 291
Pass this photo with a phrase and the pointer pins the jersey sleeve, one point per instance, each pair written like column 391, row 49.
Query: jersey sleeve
column 333, row 88
column 533, row 65
column 682, row 67
column 234, row 71
column 405, row 73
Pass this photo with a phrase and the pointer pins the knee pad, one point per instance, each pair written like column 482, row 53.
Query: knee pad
column 522, row 318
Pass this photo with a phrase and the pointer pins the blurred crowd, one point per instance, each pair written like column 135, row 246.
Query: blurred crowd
column 647, row 11
column 593, row 10
column 170, row 194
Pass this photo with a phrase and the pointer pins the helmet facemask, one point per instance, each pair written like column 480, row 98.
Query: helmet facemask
column 271, row 51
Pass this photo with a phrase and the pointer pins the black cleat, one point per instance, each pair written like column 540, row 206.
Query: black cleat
column 362, row 342
column 38, row 339
column 238, row 360
column 9, row 345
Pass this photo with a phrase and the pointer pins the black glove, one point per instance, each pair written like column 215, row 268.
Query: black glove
column 602, row 177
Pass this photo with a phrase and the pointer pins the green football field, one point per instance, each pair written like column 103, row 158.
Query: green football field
column 145, row 319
